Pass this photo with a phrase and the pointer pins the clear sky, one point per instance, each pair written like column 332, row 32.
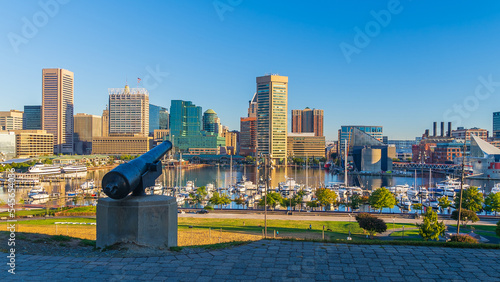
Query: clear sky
column 401, row 66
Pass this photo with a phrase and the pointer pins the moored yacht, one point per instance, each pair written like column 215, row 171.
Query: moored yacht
column 43, row 169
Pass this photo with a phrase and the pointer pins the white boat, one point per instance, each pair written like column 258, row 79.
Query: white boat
column 36, row 189
column 209, row 187
column 288, row 186
column 404, row 201
column 240, row 188
column 189, row 186
column 43, row 169
column 74, row 168
column 88, row 185
column 40, row 196
column 399, row 189
column 495, row 189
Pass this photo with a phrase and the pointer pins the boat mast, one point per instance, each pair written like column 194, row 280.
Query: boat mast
column 345, row 163
column 307, row 173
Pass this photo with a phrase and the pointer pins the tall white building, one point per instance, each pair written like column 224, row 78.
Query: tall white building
column 57, row 108
column 272, row 116
column 128, row 111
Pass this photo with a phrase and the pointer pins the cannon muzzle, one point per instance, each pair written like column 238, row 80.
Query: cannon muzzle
column 136, row 175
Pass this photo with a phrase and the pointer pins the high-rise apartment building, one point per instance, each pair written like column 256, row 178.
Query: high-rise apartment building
column 57, row 108
column 32, row 118
column 307, row 121
column 11, row 120
column 128, row 111
column 272, row 120
column 87, row 127
column 496, row 125
column 158, row 118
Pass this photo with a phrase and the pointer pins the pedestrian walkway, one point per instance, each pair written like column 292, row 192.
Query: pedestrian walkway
column 274, row 260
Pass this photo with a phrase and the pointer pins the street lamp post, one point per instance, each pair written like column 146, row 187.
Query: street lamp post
column 461, row 184
column 349, row 236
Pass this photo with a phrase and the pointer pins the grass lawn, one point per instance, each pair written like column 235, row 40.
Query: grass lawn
column 477, row 227
column 90, row 209
column 411, row 232
column 285, row 228
column 51, row 221
column 34, row 212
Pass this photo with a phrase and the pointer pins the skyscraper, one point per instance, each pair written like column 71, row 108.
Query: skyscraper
column 496, row 125
column 307, row 120
column 211, row 122
column 158, row 118
column 272, row 111
column 185, row 118
column 128, row 111
column 186, row 129
column 57, row 108
column 32, row 119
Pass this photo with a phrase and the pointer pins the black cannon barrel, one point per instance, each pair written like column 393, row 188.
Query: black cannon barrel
column 125, row 178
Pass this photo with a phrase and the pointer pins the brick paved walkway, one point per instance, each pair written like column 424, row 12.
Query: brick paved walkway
column 276, row 261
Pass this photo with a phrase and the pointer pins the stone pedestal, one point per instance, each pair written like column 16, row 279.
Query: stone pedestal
column 145, row 220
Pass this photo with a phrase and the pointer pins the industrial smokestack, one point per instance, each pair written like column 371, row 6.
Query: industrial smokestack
column 449, row 129
column 442, row 129
column 434, row 125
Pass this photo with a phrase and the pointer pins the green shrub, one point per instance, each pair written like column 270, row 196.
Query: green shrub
column 210, row 208
column 371, row 224
column 463, row 238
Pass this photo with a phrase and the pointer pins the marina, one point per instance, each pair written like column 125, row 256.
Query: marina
column 240, row 182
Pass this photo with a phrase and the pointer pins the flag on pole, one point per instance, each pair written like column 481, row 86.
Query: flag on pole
column 138, row 80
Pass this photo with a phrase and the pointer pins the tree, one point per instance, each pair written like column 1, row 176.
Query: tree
column 250, row 159
column 472, row 199
column 240, row 201
column 492, row 203
column 444, row 202
column 312, row 204
column 417, row 206
column 199, row 195
column 382, row 198
column 371, row 224
column 218, row 199
column 354, row 202
column 326, row 197
column 431, row 229
column 465, row 216
column 273, row 199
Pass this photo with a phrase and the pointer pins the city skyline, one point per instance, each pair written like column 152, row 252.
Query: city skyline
column 420, row 65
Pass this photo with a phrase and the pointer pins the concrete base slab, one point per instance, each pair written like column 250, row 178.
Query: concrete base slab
column 144, row 220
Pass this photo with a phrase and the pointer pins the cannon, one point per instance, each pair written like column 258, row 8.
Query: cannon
column 136, row 175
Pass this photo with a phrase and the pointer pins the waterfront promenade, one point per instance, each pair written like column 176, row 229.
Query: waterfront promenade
column 273, row 260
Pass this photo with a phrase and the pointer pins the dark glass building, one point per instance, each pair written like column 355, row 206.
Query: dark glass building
column 32, row 118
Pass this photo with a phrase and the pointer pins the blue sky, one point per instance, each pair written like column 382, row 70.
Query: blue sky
column 431, row 61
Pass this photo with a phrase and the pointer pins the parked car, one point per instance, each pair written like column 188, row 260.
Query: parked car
column 202, row 211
